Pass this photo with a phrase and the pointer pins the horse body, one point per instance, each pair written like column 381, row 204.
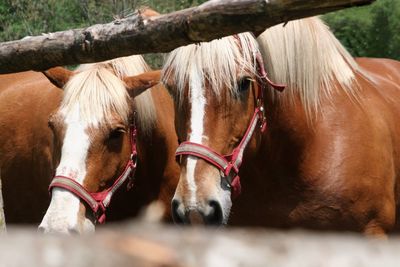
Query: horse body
column 329, row 157
column 340, row 173
column 26, row 144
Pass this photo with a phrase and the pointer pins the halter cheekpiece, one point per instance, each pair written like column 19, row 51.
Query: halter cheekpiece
column 229, row 165
column 99, row 201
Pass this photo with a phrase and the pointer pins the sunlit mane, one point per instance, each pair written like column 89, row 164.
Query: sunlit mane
column 99, row 90
column 306, row 56
column 303, row 54
column 218, row 62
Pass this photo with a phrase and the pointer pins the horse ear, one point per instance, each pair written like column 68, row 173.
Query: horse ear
column 140, row 83
column 58, row 76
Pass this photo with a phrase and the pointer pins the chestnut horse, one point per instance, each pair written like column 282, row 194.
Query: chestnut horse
column 84, row 132
column 322, row 154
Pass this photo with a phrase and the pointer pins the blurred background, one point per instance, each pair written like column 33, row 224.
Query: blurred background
column 372, row 31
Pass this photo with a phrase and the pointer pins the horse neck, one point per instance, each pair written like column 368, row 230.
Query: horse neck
column 288, row 127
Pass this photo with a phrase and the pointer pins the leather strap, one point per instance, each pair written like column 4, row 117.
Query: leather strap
column 229, row 165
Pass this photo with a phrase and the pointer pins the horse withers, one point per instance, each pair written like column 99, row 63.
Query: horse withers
column 95, row 134
column 321, row 154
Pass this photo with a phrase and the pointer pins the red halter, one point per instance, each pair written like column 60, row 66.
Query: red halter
column 98, row 202
column 229, row 164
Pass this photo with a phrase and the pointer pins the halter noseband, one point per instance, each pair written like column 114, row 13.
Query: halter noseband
column 229, row 165
column 98, row 202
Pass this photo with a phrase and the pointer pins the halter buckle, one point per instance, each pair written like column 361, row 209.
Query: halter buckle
column 131, row 178
column 133, row 157
column 231, row 175
column 263, row 118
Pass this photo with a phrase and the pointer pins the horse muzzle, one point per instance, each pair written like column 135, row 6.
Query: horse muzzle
column 208, row 214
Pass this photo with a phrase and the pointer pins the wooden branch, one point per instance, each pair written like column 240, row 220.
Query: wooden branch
column 144, row 244
column 2, row 217
column 139, row 35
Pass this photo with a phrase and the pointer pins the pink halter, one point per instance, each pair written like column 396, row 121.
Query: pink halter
column 229, row 165
column 98, row 202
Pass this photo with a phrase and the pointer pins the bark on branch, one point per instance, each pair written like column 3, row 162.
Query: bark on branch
column 140, row 35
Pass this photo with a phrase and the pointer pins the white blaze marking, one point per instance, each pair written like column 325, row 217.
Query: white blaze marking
column 196, row 127
column 62, row 213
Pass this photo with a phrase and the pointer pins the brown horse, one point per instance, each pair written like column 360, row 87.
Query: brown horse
column 329, row 157
column 84, row 132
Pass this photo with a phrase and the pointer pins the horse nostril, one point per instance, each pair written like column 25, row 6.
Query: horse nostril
column 213, row 215
column 177, row 215
column 41, row 230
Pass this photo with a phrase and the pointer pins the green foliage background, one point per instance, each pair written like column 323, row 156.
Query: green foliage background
column 372, row 31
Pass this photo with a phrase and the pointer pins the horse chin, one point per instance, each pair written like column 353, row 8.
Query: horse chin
column 87, row 227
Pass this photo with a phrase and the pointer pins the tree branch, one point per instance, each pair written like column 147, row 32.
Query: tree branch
column 140, row 35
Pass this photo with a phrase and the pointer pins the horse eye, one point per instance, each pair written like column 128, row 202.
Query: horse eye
column 244, row 84
column 116, row 133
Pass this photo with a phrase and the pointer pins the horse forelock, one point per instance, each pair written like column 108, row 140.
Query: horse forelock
column 100, row 89
column 218, row 62
column 306, row 56
column 98, row 93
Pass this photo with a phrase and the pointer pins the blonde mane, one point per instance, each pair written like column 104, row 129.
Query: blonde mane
column 99, row 90
column 306, row 56
column 218, row 62
column 302, row 54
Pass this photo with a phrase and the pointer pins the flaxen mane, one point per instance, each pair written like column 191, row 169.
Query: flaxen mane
column 307, row 57
column 303, row 54
column 99, row 90
column 219, row 62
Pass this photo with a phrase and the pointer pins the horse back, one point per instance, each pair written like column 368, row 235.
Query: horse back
column 388, row 69
column 385, row 74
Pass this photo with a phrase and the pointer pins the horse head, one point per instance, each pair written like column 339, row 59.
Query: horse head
column 220, row 117
column 94, row 133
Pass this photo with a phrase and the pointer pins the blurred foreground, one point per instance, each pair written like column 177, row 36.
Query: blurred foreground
column 152, row 244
